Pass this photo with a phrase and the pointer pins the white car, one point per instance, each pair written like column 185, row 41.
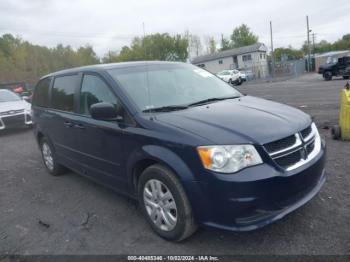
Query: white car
column 14, row 112
column 233, row 77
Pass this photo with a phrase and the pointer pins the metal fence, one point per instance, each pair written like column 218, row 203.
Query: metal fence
column 283, row 70
column 288, row 68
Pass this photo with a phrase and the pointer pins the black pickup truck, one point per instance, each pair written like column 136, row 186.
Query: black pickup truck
column 340, row 68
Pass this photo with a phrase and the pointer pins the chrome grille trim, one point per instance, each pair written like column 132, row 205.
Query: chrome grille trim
column 301, row 145
column 312, row 134
column 295, row 149
column 297, row 144
column 310, row 156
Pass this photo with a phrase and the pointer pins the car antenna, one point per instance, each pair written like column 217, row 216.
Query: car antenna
column 147, row 78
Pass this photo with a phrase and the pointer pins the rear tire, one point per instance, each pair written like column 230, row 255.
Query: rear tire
column 49, row 158
column 336, row 132
column 160, row 192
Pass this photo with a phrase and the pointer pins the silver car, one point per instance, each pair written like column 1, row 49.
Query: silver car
column 14, row 111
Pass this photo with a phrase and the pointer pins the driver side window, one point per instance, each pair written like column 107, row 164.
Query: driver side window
column 94, row 90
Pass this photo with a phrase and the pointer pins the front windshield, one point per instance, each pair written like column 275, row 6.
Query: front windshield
column 174, row 84
column 8, row 96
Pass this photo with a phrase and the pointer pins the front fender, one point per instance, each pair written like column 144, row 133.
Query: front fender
column 162, row 155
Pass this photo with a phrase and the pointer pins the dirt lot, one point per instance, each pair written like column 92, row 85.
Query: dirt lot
column 41, row 214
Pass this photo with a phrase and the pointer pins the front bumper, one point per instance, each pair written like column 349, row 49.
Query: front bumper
column 15, row 120
column 243, row 202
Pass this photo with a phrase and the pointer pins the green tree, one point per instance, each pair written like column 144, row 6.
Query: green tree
column 343, row 43
column 287, row 53
column 324, row 46
column 158, row 46
column 242, row 36
column 87, row 56
column 225, row 43
column 23, row 61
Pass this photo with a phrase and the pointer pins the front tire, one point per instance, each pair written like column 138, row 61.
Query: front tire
column 327, row 75
column 49, row 158
column 164, row 204
column 336, row 132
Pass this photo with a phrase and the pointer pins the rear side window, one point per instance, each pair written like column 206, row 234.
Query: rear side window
column 41, row 95
column 94, row 90
column 63, row 92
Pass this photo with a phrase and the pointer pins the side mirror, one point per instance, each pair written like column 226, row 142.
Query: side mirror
column 104, row 111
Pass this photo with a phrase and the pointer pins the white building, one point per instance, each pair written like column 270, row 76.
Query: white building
column 248, row 58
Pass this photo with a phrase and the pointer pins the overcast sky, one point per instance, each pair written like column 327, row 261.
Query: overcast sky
column 110, row 24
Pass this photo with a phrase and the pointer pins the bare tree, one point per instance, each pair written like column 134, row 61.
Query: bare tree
column 195, row 47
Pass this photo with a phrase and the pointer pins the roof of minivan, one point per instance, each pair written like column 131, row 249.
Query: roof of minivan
column 107, row 66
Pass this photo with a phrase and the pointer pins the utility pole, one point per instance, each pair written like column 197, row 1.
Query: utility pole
column 272, row 52
column 308, row 44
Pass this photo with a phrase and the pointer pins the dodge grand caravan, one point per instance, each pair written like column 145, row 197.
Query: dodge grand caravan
column 191, row 148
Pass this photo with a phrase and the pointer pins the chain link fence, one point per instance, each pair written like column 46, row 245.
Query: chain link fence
column 283, row 70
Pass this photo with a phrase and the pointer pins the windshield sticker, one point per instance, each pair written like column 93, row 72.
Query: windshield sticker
column 202, row 73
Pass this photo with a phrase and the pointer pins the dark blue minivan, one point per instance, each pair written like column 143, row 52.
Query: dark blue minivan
column 191, row 148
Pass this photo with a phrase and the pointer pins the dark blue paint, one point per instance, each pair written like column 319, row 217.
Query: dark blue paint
column 107, row 152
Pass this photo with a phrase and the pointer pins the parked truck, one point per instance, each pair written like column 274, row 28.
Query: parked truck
column 339, row 68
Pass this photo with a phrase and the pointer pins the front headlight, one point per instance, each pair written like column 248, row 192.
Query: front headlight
column 228, row 159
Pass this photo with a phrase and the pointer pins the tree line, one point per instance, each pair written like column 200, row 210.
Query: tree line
column 22, row 61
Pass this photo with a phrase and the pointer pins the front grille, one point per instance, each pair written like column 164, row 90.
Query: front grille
column 12, row 112
column 310, row 147
column 11, row 121
column 280, row 144
column 290, row 159
column 306, row 132
column 294, row 149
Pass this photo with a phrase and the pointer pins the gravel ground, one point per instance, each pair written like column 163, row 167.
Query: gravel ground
column 41, row 214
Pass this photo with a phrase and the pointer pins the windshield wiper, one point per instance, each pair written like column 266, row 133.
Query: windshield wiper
column 214, row 99
column 165, row 108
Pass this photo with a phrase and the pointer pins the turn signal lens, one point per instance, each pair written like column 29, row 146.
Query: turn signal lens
column 204, row 154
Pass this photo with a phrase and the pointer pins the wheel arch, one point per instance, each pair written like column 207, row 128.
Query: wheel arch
column 39, row 136
column 151, row 155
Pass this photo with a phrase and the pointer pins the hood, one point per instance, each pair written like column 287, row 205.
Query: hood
column 237, row 121
column 327, row 66
column 14, row 105
column 224, row 77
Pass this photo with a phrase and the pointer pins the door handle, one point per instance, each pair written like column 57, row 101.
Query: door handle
column 79, row 126
column 68, row 124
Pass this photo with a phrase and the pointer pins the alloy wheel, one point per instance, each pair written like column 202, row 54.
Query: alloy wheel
column 47, row 156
